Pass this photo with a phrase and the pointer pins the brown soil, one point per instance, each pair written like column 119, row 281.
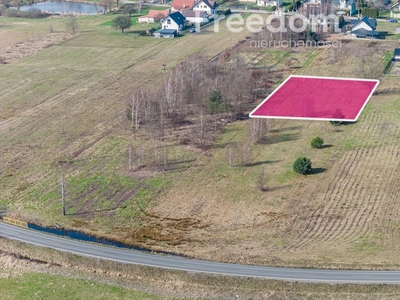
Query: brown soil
column 31, row 46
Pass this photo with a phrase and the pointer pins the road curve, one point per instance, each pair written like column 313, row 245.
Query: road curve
column 194, row 265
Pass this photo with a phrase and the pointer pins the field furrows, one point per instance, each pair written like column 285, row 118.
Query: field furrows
column 104, row 41
column 375, row 130
column 359, row 202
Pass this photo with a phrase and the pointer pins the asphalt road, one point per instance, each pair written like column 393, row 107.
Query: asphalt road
column 194, row 265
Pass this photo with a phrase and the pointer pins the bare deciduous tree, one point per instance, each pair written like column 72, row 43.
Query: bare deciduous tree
column 169, row 93
column 71, row 24
column 134, row 109
column 165, row 157
column 151, row 114
column 107, row 5
column 229, row 153
column 261, row 180
column 258, row 128
column 139, row 6
column 128, row 9
column 246, row 153
column 200, row 132
column 17, row 4
column 370, row 65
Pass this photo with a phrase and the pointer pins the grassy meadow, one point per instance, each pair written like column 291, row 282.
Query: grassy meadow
column 32, row 285
column 70, row 100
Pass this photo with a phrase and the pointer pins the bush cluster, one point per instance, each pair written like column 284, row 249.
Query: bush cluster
column 32, row 13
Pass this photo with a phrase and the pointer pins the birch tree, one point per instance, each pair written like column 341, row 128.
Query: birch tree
column 135, row 107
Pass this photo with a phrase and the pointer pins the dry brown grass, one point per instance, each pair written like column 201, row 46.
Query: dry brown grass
column 9, row 38
column 12, row 50
column 344, row 215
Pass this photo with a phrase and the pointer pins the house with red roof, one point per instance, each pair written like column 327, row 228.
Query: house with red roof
column 181, row 5
column 153, row 16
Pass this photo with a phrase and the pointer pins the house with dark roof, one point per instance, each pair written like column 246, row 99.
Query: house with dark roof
column 196, row 16
column 395, row 10
column 396, row 55
column 153, row 16
column 209, row 6
column 364, row 28
column 165, row 33
column 174, row 20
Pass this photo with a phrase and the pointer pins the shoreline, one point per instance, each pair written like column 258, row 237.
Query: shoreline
column 101, row 10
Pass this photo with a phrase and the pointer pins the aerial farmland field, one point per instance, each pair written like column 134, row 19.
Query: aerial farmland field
column 63, row 112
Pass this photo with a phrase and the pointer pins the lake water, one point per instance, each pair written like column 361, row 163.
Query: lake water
column 66, row 8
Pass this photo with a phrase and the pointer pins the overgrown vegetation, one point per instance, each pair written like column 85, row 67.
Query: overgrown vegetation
column 197, row 93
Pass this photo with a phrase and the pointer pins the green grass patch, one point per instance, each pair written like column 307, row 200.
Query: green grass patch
column 366, row 245
column 43, row 286
column 285, row 177
column 384, row 13
column 286, row 3
column 349, row 144
column 133, row 20
column 310, row 58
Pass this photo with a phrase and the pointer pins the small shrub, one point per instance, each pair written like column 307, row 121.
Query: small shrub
column 317, row 142
column 33, row 13
column 336, row 123
column 302, row 165
column 11, row 13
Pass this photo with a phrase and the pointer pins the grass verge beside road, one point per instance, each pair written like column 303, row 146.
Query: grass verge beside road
column 34, row 272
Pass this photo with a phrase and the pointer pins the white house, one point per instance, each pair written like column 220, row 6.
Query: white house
column 209, row 6
column 316, row 2
column 347, row 7
column 174, row 20
column 395, row 10
column 196, row 16
column 275, row 3
column 364, row 28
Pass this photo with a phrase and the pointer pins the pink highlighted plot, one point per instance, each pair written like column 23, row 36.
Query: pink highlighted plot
column 317, row 98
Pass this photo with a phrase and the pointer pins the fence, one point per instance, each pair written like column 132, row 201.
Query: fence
column 15, row 222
